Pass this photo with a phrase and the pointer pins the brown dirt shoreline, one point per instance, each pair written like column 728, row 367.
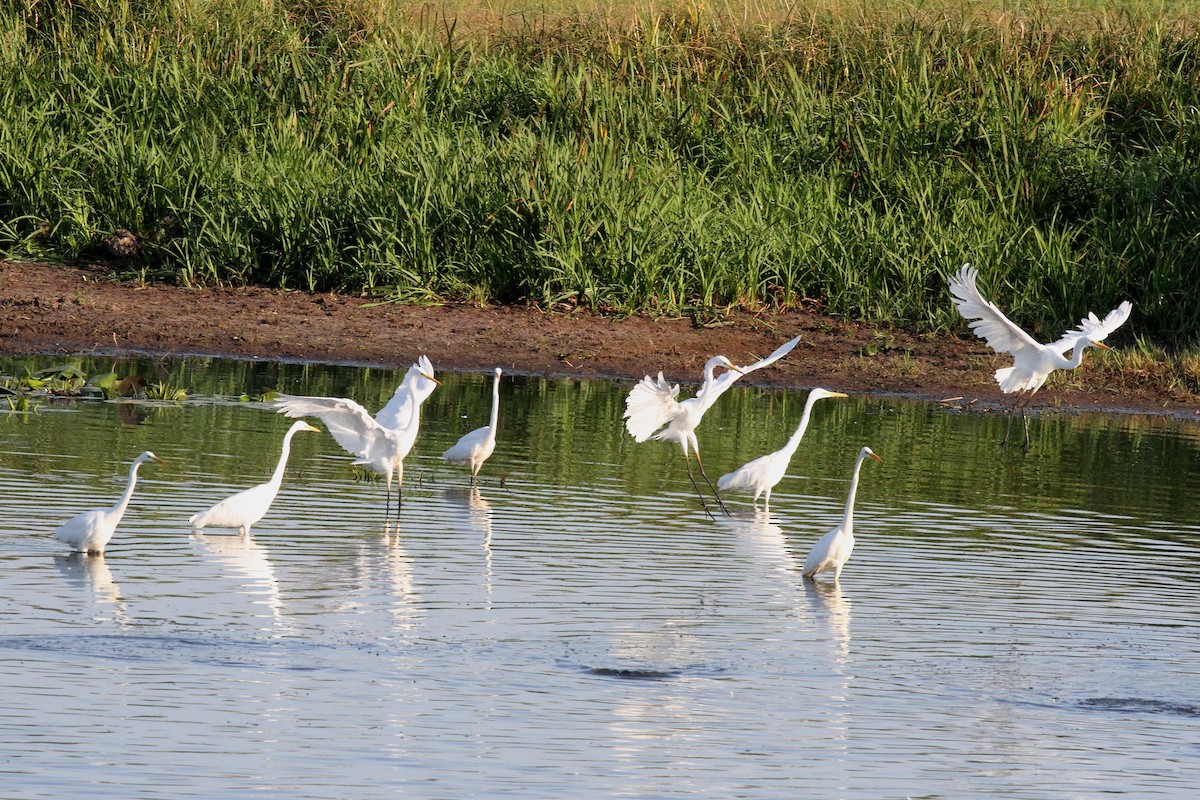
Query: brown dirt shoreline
column 48, row 309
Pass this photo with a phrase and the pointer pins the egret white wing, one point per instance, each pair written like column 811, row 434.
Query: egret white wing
column 709, row 394
column 650, row 405
column 988, row 322
column 349, row 423
column 1093, row 328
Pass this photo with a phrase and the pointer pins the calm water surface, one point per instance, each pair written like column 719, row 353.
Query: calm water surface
column 1016, row 626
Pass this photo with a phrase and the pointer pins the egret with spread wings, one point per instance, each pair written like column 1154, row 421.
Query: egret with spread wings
column 379, row 443
column 1032, row 361
column 651, row 405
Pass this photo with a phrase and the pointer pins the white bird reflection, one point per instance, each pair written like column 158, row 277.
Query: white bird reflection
column 478, row 518
column 828, row 603
column 247, row 560
column 91, row 574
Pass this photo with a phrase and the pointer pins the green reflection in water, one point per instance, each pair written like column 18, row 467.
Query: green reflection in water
column 566, row 432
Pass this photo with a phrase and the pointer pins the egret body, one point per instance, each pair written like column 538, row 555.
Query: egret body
column 476, row 447
column 832, row 551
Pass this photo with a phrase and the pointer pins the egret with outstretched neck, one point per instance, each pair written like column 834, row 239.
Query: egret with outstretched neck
column 90, row 531
column 249, row 506
column 651, row 405
column 761, row 474
column 476, row 447
column 833, row 550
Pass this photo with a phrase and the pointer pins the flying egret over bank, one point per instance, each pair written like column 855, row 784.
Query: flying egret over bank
column 652, row 404
column 475, row 447
column 90, row 531
column 379, row 443
column 1032, row 361
column 761, row 474
column 832, row 551
column 249, row 506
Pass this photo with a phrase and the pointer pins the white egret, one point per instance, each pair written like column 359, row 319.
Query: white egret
column 476, row 447
column 1032, row 361
column 833, row 549
column 761, row 474
column 651, row 404
column 250, row 505
column 380, row 443
column 90, row 531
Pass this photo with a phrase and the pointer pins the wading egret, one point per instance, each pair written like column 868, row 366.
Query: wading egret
column 652, row 404
column 475, row 447
column 249, row 506
column 90, row 531
column 761, row 474
column 380, row 443
column 1032, row 361
column 833, row 549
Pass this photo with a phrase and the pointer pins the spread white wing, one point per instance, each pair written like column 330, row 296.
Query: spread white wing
column 348, row 422
column 709, row 393
column 650, row 405
column 1093, row 328
column 988, row 322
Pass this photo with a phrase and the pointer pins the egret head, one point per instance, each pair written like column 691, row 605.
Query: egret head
column 148, row 456
column 304, row 426
column 722, row 361
column 497, row 372
column 818, row 394
column 867, row 452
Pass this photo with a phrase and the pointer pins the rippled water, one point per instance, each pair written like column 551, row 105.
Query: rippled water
column 1009, row 625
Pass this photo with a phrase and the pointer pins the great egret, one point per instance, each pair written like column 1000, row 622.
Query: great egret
column 651, row 404
column 833, row 549
column 761, row 474
column 90, row 531
column 250, row 505
column 475, row 447
column 380, row 443
column 1032, row 361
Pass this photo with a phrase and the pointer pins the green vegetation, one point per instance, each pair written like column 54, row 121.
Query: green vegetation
column 666, row 162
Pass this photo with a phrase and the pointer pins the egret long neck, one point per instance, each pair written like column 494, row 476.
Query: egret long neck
column 495, row 404
column 1077, row 354
column 277, row 475
column 849, row 515
column 794, row 442
column 123, row 503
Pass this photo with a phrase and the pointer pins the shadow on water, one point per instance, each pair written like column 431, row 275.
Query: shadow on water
column 1138, row 705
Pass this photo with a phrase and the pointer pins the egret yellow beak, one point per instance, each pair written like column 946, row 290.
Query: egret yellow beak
column 838, row 394
column 157, row 460
column 312, row 428
column 431, row 378
column 1101, row 345
column 877, row 458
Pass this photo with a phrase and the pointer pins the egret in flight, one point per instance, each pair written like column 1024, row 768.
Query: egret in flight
column 761, row 474
column 90, row 531
column 475, row 447
column 379, row 443
column 832, row 551
column 249, row 506
column 1032, row 361
column 652, row 404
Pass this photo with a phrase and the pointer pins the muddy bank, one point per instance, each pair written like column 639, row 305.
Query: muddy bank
column 54, row 309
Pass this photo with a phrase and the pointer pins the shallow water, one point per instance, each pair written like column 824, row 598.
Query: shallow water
column 1010, row 625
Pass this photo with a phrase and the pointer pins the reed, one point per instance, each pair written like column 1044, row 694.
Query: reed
column 649, row 161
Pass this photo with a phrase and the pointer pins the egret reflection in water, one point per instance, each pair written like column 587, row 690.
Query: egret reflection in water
column 243, row 558
column 92, row 575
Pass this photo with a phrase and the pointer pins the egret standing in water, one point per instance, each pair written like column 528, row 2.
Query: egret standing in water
column 249, row 506
column 652, row 404
column 380, row 443
column 761, row 474
column 833, row 550
column 475, row 447
column 90, row 531
column 1032, row 361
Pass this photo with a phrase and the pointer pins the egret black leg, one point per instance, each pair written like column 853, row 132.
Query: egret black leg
column 695, row 486
column 720, row 502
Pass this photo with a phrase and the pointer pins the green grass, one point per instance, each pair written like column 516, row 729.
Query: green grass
column 621, row 159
